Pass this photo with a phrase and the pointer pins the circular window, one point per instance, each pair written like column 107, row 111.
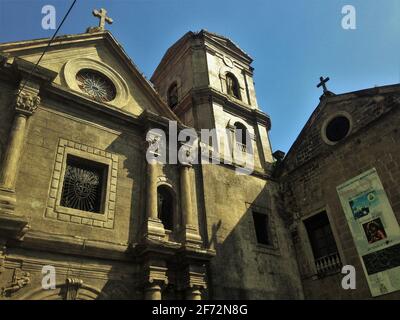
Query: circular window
column 96, row 85
column 337, row 128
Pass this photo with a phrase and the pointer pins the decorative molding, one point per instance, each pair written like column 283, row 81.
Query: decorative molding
column 329, row 119
column 72, row 67
column 188, row 154
column 228, row 62
column 55, row 211
column 26, row 102
column 72, row 286
column 155, row 272
column 12, row 226
column 163, row 180
column 74, row 269
column 155, row 143
column 193, row 276
column 3, row 249
column 19, row 280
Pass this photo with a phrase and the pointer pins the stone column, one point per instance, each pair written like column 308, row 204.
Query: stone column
column 10, row 163
column 153, row 227
column 186, row 200
column 152, row 292
column 26, row 102
column 191, row 235
column 193, row 293
column 151, row 207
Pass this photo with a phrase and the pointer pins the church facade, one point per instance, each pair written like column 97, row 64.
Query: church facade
column 79, row 197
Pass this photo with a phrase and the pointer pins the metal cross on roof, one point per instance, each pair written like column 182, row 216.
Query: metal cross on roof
column 323, row 83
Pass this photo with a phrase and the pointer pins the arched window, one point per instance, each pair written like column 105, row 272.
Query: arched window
column 232, row 86
column 242, row 136
column 173, row 95
column 165, row 206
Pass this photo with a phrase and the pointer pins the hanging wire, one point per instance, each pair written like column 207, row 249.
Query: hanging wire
column 47, row 47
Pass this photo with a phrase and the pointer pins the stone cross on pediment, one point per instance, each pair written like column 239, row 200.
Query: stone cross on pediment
column 103, row 19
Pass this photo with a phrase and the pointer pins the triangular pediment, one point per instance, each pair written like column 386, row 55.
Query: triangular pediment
column 98, row 51
column 338, row 118
column 226, row 43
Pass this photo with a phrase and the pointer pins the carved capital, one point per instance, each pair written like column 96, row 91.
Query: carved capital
column 156, row 274
column 155, row 279
column 26, row 102
column 12, row 226
column 3, row 249
column 192, row 280
column 187, row 154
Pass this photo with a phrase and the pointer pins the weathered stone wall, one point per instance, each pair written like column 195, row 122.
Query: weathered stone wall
column 47, row 126
column 313, row 170
column 243, row 269
column 186, row 67
column 95, row 251
column 101, row 279
column 225, row 200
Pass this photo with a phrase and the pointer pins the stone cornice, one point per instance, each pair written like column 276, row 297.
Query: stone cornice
column 25, row 47
column 27, row 69
column 72, row 245
column 154, row 120
column 212, row 44
column 205, row 41
column 210, row 36
column 237, row 108
column 58, row 92
column 147, row 119
column 64, row 244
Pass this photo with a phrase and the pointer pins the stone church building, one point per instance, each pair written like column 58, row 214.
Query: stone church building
column 78, row 195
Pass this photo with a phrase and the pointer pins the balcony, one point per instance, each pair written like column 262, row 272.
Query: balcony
column 241, row 147
column 329, row 264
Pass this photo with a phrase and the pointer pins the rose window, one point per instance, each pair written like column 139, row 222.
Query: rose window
column 97, row 86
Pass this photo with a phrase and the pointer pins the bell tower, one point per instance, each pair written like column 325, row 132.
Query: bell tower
column 207, row 80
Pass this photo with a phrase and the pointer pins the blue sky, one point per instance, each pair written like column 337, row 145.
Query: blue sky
column 293, row 43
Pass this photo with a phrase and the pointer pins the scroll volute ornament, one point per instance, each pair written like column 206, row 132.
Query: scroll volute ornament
column 26, row 102
column 72, row 287
column 19, row 280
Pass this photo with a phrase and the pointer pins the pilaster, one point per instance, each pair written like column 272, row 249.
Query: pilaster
column 155, row 279
column 25, row 104
column 190, row 232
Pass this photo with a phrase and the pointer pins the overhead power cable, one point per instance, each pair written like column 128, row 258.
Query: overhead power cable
column 47, row 47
